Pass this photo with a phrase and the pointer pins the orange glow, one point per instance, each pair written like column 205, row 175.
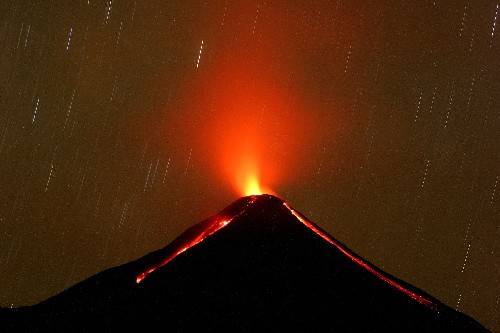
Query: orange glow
column 248, row 131
column 246, row 118
column 253, row 186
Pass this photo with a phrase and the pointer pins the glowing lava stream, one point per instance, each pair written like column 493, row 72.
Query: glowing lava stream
column 215, row 226
column 419, row 298
column 198, row 239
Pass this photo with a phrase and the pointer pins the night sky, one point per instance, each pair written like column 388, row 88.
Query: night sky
column 124, row 122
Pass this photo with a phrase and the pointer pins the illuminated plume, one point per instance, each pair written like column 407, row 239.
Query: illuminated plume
column 253, row 187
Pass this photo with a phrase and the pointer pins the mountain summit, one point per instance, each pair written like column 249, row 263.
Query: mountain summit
column 258, row 265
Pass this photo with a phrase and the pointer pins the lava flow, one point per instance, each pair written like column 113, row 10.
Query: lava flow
column 217, row 224
column 214, row 224
column 321, row 233
column 221, row 220
column 251, row 188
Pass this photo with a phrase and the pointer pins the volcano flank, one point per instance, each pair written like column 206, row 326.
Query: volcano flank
column 258, row 265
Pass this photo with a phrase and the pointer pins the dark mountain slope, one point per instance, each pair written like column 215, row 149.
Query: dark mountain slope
column 256, row 266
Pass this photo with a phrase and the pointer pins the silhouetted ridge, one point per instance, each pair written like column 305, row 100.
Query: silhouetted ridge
column 198, row 233
column 257, row 265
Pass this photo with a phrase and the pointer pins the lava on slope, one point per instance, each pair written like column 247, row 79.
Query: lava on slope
column 258, row 265
column 195, row 236
column 370, row 268
column 221, row 220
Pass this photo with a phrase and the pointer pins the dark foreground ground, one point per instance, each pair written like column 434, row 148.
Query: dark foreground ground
column 256, row 266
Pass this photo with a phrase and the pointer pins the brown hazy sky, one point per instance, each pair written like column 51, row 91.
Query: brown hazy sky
column 383, row 115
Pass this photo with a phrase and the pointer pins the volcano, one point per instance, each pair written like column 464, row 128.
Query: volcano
column 258, row 265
